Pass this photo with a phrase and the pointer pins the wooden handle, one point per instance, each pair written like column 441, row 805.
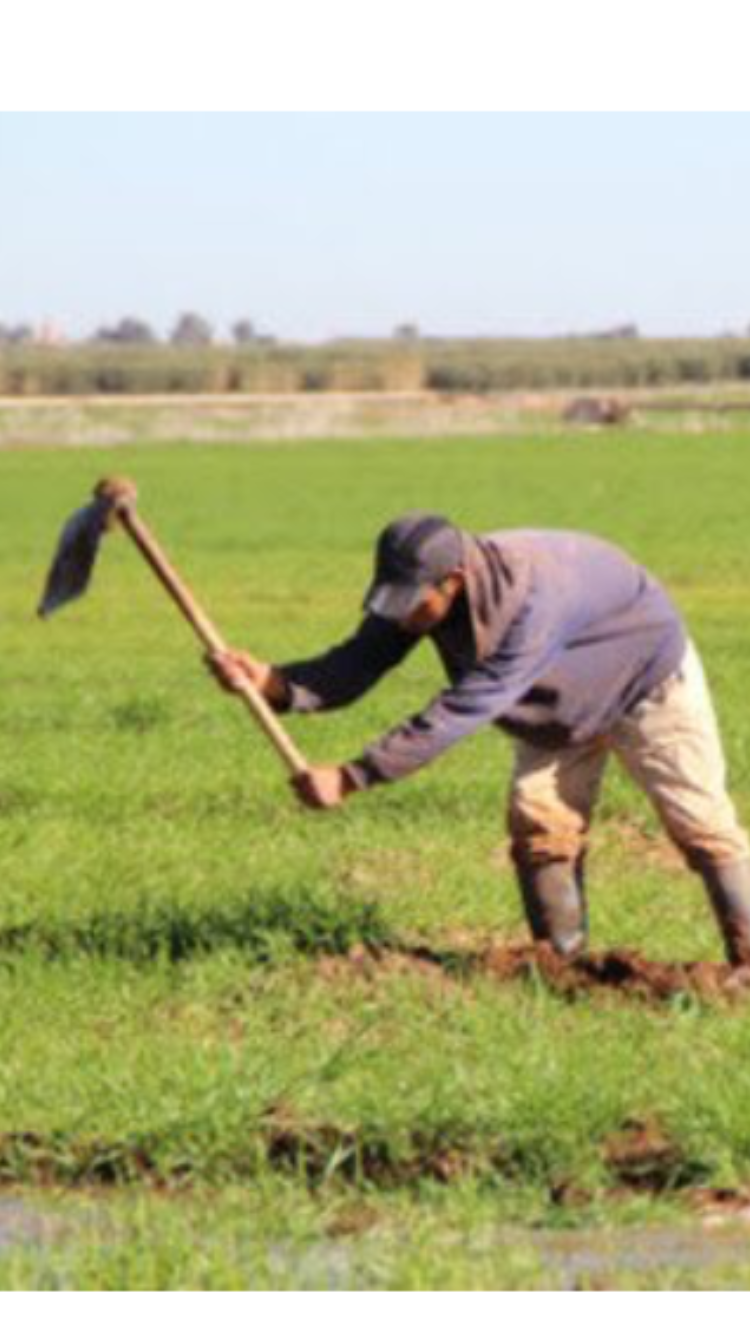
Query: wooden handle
column 208, row 634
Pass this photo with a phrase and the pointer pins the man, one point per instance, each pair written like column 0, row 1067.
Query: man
column 575, row 651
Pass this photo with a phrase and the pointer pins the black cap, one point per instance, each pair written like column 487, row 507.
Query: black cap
column 413, row 553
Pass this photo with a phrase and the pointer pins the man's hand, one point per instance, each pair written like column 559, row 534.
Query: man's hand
column 323, row 786
column 233, row 670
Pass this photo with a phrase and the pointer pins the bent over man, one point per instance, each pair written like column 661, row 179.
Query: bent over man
column 565, row 643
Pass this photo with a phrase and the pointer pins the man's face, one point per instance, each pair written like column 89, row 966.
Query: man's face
column 435, row 605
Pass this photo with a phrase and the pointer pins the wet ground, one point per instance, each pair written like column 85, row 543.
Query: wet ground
column 22, row 1224
column 569, row 1261
column 710, row 1252
column 575, row 1260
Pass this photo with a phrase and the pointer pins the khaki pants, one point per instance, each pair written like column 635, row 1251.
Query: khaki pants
column 669, row 744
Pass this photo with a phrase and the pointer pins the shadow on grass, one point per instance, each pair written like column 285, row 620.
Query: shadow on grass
column 260, row 926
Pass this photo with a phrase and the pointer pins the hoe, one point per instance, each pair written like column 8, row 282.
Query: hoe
column 113, row 503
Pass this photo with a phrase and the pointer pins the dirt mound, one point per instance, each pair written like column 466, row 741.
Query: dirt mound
column 619, row 972
column 589, row 410
column 622, row 971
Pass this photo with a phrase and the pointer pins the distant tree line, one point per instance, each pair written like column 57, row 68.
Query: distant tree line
column 189, row 330
column 129, row 359
column 14, row 334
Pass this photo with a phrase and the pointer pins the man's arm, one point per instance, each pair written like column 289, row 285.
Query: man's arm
column 481, row 696
column 347, row 671
column 329, row 681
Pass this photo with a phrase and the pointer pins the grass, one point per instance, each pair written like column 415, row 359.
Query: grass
column 191, row 1095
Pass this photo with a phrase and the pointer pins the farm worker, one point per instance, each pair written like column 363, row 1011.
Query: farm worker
column 561, row 640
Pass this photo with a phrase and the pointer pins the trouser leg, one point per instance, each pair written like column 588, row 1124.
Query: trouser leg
column 671, row 745
column 551, row 802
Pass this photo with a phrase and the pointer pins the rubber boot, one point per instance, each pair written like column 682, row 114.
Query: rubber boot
column 729, row 891
column 555, row 906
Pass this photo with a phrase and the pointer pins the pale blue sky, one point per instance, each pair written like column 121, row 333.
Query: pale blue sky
column 320, row 225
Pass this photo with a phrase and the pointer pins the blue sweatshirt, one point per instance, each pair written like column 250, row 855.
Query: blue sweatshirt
column 556, row 637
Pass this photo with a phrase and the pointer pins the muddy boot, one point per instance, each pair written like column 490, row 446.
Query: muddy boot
column 729, row 890
column 555, row 906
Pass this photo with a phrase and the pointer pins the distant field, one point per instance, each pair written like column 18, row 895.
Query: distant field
column 240, row 1045
column 101, row 420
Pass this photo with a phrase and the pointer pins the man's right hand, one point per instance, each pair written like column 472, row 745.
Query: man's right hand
column 233, row 670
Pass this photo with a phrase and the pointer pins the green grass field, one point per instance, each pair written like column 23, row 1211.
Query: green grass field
column 196, row 1088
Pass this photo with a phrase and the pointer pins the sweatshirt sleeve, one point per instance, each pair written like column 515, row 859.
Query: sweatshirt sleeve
column 348, row 670
column 481, row 696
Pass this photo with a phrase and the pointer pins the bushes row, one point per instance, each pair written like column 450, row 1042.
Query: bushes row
column 494, row 366
column 29, row 371
column 477, row 366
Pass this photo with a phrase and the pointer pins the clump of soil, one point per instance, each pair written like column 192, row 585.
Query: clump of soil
column 721, row 1206
column 617, row 972
column 643, row 1158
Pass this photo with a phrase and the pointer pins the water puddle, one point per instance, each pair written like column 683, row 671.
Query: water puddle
column 554, row 1260
column 21, row 1225
column 573, row 1260
column 558, row 1261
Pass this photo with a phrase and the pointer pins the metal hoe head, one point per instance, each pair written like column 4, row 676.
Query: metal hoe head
column 78, row 546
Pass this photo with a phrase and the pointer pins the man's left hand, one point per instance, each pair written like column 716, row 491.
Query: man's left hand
column 322, row 787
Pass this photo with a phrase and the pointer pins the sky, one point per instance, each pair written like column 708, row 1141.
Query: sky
column 319, row 225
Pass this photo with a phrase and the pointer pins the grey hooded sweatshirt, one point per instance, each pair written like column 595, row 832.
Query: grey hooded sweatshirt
column 556, row 637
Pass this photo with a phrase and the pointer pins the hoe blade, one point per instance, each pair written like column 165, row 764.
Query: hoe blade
column 75, row 556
